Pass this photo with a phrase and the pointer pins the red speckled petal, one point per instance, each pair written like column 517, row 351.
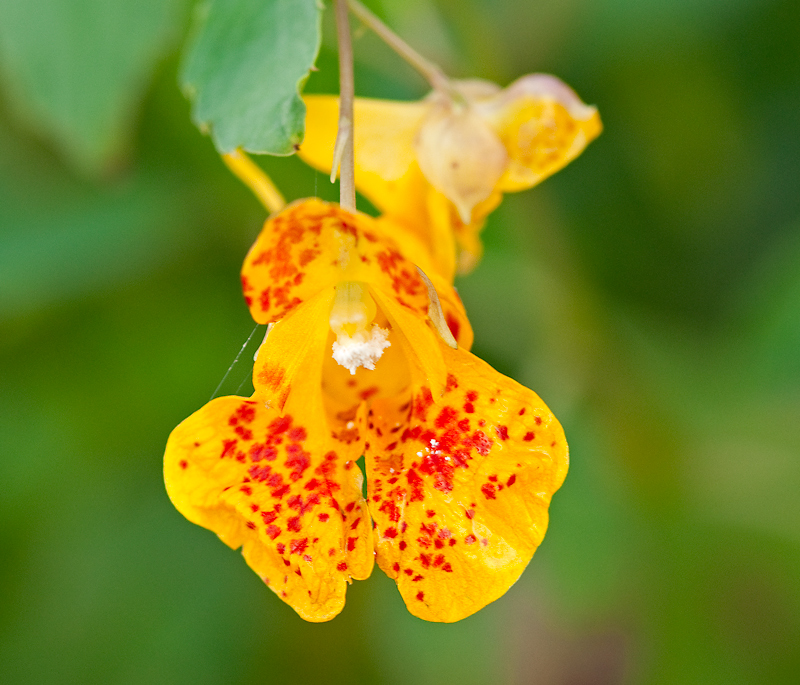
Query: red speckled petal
column 311, row 246
column 280, row 487
column 459, row 487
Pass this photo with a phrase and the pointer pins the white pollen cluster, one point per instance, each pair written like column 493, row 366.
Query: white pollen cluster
column 363, row 349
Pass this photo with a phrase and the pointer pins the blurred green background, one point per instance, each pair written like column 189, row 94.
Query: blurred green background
column 650, row 293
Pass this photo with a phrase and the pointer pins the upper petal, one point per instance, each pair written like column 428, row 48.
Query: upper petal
column 459, row 487
column 311, row 246
column 282, row 488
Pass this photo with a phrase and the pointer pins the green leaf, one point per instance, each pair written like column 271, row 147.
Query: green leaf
column 245, row 69
column 75, row 69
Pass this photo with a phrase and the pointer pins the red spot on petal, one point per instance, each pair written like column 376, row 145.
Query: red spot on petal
column 502, row 432
column 341, row 566
column 183, row 463
column 512, row 479
column 403, row 544
column 488, row 490
column 420, row 596
column 447, row 416
column 298, row 546
column 529, row 436
column 470, row 539
column 251, row 525
column 271, row 375
column 273, row 531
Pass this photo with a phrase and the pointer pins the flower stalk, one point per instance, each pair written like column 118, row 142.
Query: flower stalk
column 343, row 157
column 431, row 71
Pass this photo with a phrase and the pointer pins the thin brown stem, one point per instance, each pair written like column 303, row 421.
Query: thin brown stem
column 431, row 71
column 343, row 156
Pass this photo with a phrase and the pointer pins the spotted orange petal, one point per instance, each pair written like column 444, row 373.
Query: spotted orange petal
column 311, row 246
column 281, row 488
column 459, row 487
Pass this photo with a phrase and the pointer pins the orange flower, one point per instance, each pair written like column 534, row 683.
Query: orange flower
column 440, row 166
column 461, row 461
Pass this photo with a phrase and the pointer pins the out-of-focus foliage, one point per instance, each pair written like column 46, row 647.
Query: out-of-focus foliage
column 245, row 68
column 78, row 69
column 649, row 292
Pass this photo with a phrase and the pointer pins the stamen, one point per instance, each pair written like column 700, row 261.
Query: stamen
column 435, row 313
column 363, row 349
column 356, row 344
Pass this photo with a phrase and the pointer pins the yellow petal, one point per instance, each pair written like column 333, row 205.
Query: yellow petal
column 281, row 488
column 386, row 170
column 543, row 124
column 293, row 351
column 419, row 342
column 459, row 487
column 444, row 218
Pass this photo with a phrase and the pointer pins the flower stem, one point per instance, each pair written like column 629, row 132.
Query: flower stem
column 343, row 150
column 432, row 72
column 254, row 178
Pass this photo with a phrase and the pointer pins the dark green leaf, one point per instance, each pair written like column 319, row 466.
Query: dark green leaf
column 245, row 69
